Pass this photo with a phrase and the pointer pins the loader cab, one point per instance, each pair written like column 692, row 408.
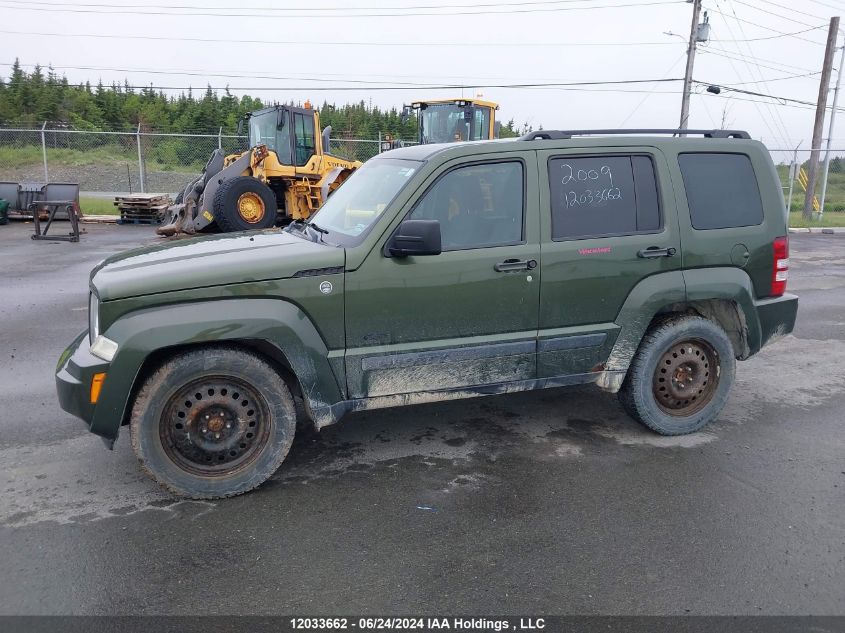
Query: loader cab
column 451, row 120
column 287, row 131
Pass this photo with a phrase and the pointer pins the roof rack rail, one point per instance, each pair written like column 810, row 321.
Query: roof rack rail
column 565, row 134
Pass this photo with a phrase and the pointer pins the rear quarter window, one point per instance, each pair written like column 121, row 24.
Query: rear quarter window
column 722, row 190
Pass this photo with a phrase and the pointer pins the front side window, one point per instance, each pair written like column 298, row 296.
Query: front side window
column 599, row 196
column 354, row 208
column 480, row 123
column 264, row 129
column 477, row 205
column 722, row 190
column 304, row 138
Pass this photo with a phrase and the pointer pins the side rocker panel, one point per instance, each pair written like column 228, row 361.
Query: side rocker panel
column 282, row 324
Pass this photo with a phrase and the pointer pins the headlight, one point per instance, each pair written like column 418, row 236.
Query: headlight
column 101, row 347
column 93, row 317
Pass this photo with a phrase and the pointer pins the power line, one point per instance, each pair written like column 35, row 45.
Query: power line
column 731, row 55
column 772, row 13
column 217, row 41
column 240, row 14
column 773, row 37
column 794, row 10
column 417, row 87
column 829, row 6
column 204, row 7
column 777, row 118
column 768, row 28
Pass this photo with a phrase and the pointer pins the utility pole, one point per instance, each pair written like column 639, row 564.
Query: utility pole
column 830, row 132
column 693, row 41
column 821, row 107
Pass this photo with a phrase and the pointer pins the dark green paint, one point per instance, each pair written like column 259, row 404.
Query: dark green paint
column 594, row 306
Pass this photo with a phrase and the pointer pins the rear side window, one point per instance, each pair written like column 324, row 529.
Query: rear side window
column 722, row 190
column 599, row 196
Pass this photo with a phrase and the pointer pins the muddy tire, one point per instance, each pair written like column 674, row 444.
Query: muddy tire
column 213, row 422
column 680, row 377
column 244, row 203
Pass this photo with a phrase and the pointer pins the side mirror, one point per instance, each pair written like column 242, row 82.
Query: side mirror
column 281, row 118
column 327, row 138
column 415, row 237
column 240, row 127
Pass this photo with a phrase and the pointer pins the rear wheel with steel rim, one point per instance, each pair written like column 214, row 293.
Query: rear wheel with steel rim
column 212, row 422
column 681, row 375
column 683, row 383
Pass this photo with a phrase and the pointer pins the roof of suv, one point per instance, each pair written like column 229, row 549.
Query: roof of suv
column 717, row 139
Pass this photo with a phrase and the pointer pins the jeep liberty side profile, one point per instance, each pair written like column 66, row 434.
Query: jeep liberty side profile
column 643, row 263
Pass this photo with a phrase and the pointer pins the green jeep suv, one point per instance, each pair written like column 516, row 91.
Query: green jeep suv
column 641, row 262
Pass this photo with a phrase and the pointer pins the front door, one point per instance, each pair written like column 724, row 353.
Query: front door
column 466, row 317
column 607, row 225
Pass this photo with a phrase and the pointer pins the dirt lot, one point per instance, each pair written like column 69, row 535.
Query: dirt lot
column 551, row 502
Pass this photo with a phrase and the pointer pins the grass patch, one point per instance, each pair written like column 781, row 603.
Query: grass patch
column 97, row 206
column 829, row 219
column 164, row 158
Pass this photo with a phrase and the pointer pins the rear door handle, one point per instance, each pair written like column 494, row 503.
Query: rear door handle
column 654, row 251
column 511, row 265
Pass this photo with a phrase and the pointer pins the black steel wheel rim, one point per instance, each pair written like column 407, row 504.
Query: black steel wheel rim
column 686, row 377
column 215, row 426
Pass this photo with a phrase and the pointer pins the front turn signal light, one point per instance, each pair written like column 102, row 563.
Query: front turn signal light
column 96, row 386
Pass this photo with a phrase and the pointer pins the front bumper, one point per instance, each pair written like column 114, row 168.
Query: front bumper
column 77, row 366
column 777, row 317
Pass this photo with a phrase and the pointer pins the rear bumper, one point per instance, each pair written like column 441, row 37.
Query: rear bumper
column 777, row 317
column 73, row 379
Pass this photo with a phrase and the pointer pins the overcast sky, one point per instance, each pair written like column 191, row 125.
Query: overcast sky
column 474, row 42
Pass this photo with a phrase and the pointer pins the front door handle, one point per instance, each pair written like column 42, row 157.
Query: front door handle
column 511, row 265
column 654, row 251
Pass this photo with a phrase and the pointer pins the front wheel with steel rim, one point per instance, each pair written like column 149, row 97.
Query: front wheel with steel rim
column 212, row 422
column 681, row 375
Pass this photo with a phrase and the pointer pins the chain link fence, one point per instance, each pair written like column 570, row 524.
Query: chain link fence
column 124, row 162
column 792, row 167
column 154, row 162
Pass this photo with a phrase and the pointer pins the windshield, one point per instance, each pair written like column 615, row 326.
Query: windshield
column 354, row 207
column 263, row 131
column 446, row 123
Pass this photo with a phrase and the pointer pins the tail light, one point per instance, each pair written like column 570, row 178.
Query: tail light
column 780, row 265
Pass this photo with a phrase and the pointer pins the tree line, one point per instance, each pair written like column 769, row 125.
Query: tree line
column 28, row 99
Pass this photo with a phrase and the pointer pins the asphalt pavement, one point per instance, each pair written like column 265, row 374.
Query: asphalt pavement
column 549, row 502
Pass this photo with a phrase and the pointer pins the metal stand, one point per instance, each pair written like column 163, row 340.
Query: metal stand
column 54, row 206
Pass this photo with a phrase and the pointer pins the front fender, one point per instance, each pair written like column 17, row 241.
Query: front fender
column 282, row 324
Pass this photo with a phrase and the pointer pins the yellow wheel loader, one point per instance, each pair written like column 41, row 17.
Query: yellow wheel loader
column 451, row 120
column 285, row 175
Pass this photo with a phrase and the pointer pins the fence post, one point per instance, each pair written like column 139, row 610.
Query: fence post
column 44, row 153
column 220, row 138
column 140, row 159
column 379, row 141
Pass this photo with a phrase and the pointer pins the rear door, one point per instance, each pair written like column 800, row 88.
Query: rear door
column 606, row 225
column 466, row 317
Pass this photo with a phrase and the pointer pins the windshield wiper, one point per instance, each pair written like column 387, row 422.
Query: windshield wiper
column 320, row 231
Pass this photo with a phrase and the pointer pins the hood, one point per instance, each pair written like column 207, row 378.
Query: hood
column 215, row 260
